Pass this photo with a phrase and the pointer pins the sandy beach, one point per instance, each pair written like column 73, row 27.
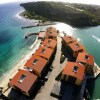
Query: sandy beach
column 19, row 65
column 4, row 80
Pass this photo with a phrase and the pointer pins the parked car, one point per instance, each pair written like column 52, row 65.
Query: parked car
column 46, row 78
column 62, row 58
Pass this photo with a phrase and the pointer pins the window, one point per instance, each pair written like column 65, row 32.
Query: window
column 49, row 41
column 35, row 61
column 43, row 50
column 28, row 69
column 77, row 45
column 75, row 69
column 86, row 57
column 22, row 77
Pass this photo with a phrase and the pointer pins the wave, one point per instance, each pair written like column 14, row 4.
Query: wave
column 96, row 38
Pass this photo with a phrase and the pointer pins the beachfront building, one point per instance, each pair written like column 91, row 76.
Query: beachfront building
column 67, row 40
column 87, row 60
column 46, row 53
column 50, row 43
column 24, row 81
column 41, row 35
column 74, row 73
column 51, row 33
column 74, row 48
column 37, row 65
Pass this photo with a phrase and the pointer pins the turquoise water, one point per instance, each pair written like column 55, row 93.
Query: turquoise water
column 13, row 45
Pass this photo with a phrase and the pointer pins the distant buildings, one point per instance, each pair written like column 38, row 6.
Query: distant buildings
column 67, row 40
column 24, row 81
column 87, row 60
column 51, row 33
column 74, row 73
column 72, row 46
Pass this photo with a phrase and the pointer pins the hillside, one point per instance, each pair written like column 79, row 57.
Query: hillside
column 73, row 14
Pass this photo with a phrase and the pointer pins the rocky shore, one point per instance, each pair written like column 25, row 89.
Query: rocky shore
column 78, row 15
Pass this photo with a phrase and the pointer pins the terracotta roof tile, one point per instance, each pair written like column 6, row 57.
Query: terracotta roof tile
column 38, row 66
column 69, row 39
column 49, row 43
column 69, row 70
column 26, row 83
column 85, row 58
column 44, row 52
column 76, row 46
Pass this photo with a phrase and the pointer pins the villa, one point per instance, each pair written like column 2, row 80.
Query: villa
column 67, row 40
column 37, row 65
column 87, row 60
column 73, row 73
column 51, row 33
column 45, row 52
column 74, row 48
column 50, row 43
column 24, row 82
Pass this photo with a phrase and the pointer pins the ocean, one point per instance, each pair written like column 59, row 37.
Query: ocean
column 13, row 45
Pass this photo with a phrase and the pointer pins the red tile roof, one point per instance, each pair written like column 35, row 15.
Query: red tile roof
column 85, row 58
column 51, row 31
column 68, row 70
column 27, row 82
column 44, row 52
column 39, row 66
column 42, row 34
column 69, row 39
column 76, row 46
column 49, row 43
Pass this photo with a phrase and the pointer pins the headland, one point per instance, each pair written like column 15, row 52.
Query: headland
column 78, row 15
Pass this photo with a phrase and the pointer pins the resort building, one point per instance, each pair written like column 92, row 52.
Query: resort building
column 74, row 73
column 45, row 52
column 36, row 65
column 41, row 35
column 67, row 40
column 74, row 48
column 50, row 43
column 24, row 81
column 87, row 60
column 51, row 33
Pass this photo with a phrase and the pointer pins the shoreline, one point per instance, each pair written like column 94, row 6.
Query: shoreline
column 30, row 48
column 19, row 64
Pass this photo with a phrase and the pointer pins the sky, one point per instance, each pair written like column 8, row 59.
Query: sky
column 96, row 2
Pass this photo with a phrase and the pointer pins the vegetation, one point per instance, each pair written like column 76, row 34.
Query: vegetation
column 73, row 14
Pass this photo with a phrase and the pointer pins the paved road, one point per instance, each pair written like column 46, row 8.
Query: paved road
column 46, row 91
